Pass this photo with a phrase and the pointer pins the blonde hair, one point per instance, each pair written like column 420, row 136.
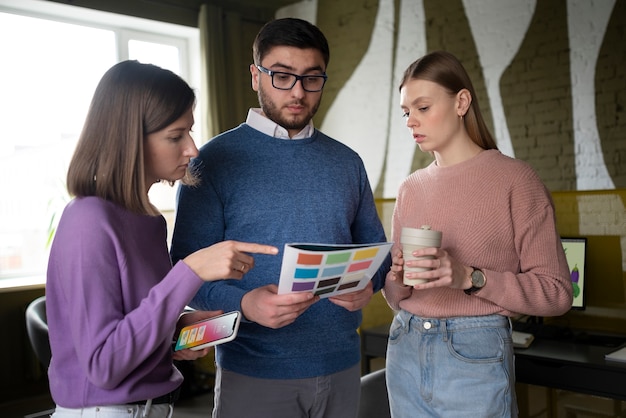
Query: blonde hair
column 131, row 101
column 445, row 69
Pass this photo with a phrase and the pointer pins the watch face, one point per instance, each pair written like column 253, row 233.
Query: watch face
column 478, row 278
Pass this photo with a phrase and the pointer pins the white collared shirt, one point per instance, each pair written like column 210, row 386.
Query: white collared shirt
column 261, row 123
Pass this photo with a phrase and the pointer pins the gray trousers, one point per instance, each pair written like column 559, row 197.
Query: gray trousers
column 332, row 396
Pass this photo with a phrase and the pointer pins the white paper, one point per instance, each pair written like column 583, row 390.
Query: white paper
column 330, row 269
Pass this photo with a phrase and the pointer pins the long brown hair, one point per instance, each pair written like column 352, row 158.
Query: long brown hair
column 445, row 69
column 131, row 101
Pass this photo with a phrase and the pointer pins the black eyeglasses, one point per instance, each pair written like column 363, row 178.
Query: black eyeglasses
column 286, row 81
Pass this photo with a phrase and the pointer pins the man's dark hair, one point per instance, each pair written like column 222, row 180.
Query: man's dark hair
column 289, row 32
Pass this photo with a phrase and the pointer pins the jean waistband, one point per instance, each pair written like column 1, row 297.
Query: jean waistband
column 455, row 323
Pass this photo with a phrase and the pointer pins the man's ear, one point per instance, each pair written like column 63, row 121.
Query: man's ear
column 255, row 77
column 463, row 101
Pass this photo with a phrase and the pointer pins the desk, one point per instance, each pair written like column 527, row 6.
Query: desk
column 576, row 367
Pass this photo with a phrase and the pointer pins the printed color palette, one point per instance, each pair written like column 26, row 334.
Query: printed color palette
column 328, row 270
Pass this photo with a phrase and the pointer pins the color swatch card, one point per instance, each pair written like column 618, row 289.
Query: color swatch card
column 330, row 270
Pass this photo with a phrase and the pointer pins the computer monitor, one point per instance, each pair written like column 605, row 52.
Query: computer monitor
column 576, row 252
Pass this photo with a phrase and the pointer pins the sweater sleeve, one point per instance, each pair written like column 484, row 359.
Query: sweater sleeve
column 542, row 285
column 122, row 341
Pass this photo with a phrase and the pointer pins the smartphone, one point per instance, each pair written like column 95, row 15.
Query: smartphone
column 209, row 332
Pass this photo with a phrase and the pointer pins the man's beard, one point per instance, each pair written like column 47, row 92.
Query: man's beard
column 273, row 113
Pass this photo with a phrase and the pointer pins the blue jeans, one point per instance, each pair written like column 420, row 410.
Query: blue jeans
column 458, row 367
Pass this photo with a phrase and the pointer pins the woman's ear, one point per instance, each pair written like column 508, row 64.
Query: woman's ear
column 463, row 102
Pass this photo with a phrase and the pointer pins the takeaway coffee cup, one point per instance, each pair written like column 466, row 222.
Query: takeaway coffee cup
column 413, row 239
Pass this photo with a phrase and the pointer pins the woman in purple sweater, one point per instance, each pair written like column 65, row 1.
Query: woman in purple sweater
column 450, row 351
column 113, row 299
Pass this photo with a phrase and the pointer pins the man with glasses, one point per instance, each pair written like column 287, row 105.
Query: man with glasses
column 275, row 179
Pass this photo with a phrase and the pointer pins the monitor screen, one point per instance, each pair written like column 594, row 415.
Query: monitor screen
column 575, row 252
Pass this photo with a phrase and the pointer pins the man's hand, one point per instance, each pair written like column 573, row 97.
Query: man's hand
column 354, row 301
column 266, row 307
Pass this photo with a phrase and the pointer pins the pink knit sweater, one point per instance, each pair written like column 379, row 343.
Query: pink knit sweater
column 496, row 215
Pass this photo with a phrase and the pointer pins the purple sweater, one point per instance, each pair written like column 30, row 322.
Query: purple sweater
column 113, row 300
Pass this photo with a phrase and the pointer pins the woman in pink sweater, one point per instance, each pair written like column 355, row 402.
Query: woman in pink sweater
column 450, row 351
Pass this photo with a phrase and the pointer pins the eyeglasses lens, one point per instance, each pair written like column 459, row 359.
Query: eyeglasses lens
column 285, row 81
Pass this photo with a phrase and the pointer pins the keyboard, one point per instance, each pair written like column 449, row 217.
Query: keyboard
column 561, row 333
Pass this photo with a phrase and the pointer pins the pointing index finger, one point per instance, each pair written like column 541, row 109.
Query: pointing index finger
column 250, row 247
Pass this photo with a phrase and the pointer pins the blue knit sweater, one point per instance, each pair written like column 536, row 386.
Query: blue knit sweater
column 257, row 188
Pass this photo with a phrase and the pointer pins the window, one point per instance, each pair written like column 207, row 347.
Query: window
column 53, row 56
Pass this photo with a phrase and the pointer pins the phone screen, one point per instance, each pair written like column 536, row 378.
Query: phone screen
column 208, row 332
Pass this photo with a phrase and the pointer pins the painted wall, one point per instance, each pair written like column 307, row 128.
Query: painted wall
column 550, row 76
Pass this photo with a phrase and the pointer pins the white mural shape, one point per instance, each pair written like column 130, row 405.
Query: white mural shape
column 366, row 114
column 497, row 44
column 359, row 115
column 410, row 46
column 305, row 9
column 586, row 23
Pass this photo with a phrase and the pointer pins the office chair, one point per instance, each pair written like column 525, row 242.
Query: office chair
column 37, row 329
column 374, row 399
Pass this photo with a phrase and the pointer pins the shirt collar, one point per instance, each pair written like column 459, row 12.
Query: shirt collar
column 261, row 123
